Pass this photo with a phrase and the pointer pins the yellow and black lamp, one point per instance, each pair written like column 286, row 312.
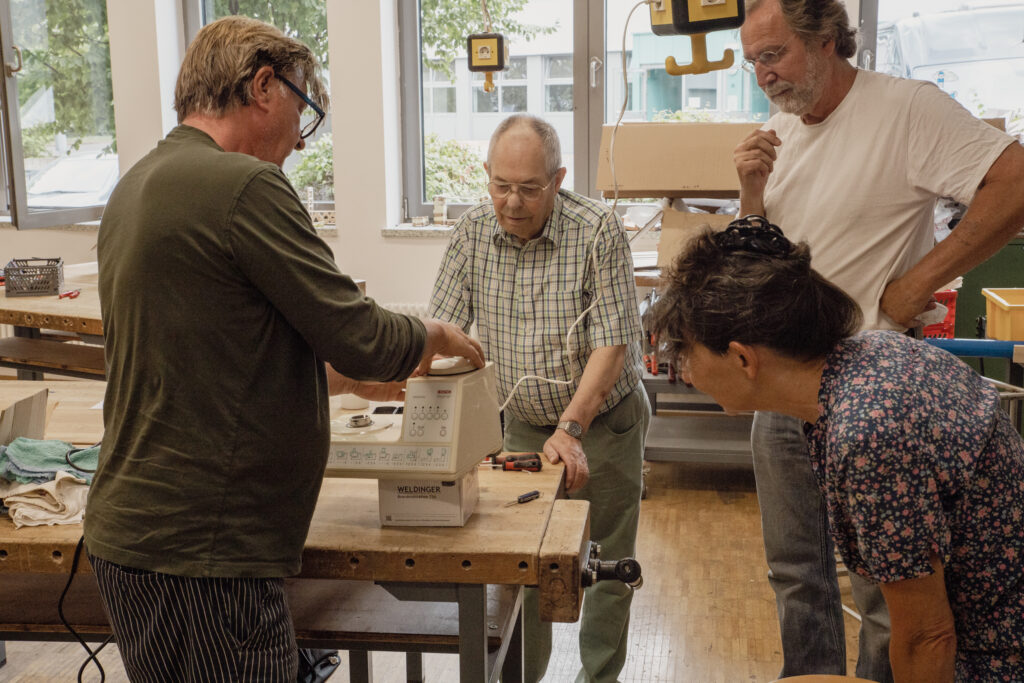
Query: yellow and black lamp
column 488, row 52
column 696, row 18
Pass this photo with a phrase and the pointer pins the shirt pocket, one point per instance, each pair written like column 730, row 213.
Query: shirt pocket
column 554, row 313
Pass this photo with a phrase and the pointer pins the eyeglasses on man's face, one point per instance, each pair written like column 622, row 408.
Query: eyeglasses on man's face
column 768, row 58
column 525, row 192
column 310, row 127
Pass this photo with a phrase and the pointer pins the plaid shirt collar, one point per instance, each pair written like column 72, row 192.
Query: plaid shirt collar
column 552, row 227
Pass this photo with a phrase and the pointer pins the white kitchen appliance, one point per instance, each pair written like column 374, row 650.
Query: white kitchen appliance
column 448, row 424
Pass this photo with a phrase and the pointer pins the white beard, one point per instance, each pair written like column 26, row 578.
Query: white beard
column 799, row 98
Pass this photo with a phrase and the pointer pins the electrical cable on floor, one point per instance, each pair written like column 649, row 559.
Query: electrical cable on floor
column 63, row 620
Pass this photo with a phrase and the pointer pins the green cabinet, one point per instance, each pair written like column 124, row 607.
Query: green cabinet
column 1004, row 269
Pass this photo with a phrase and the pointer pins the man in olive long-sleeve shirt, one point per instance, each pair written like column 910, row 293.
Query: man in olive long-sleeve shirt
column 221, row 307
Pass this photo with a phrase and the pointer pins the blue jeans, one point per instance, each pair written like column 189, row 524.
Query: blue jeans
column 801, row 561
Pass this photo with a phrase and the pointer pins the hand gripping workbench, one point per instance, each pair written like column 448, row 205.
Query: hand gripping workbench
column 364, row 587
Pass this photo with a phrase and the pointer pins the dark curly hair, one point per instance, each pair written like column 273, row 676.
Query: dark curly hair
column 751, row 285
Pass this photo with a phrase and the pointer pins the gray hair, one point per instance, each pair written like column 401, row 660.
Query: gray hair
column 716, row 295
column 221, row 62
column 544, row 130
column 814, row 20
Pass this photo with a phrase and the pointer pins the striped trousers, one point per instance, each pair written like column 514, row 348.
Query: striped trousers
column 202, row 630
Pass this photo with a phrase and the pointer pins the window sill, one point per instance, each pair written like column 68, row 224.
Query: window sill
column 85, row 226
column 427, row 231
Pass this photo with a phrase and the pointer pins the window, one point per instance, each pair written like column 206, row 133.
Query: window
column 558, row 83
column 445, row 146
column 509, row 94
column 310, row 171
column 561, row 69
column 972, row 50
column 61, row 163
column 724, row 95
column 438, row 92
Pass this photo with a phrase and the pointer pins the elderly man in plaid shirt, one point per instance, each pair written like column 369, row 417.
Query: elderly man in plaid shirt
column 522, row 266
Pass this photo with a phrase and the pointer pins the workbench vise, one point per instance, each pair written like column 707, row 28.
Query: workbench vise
column 626, row 570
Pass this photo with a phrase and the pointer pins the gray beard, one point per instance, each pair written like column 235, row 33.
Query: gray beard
column 800, row 98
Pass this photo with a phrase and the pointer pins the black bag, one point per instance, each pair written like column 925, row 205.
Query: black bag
column 316, row 666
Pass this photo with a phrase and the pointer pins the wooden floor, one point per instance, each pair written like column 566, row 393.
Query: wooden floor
column 704, row 614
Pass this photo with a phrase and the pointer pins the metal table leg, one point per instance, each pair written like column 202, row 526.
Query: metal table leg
column 472, row 632
column 28, row 333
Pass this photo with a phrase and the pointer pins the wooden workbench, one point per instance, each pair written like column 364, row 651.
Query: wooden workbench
column 480, row 569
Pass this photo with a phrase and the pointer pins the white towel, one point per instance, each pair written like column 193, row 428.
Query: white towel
column 61, row 501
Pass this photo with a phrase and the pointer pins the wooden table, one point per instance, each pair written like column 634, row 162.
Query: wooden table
column 32, row 355
column 542, row 543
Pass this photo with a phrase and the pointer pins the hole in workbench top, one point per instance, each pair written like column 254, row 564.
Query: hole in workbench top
column 523, row 566
column 554, row 567
column 409, row 562
column 466, row 564
column 57, row 556
column 354, row 561
column 3, row 554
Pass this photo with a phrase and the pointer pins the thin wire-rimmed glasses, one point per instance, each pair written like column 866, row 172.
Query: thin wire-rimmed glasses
column 310, row 127
column 768, row 58
column 526, row 192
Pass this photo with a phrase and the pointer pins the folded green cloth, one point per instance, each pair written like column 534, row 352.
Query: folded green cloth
column 34, row 461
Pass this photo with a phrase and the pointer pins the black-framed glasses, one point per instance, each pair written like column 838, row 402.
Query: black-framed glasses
column 768, row 58
column 310, row 127
column 526, row 192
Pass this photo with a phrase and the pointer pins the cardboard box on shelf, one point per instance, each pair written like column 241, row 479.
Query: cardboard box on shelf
column 22, row 413
column 679, row 227
column 672, row 159
column 428, row 502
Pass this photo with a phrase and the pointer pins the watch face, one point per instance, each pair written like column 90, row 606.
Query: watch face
column 573, row 429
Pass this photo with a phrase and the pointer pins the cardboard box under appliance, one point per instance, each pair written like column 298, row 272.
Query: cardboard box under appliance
column 672, row 159
column 22, row 413
column 428, row 502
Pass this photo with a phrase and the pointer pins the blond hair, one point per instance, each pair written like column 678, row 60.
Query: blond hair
column 224, row 57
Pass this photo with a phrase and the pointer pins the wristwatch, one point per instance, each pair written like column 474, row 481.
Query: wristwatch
column 572, row 428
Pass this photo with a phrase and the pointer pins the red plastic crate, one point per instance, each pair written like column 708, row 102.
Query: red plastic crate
column 944, row 330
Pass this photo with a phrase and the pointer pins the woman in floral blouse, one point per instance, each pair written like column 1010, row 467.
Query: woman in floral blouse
column 922, row 471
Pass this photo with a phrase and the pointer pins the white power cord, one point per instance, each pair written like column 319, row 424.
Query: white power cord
column 607, row 220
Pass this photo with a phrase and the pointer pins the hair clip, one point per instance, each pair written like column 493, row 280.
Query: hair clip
column 755, row 234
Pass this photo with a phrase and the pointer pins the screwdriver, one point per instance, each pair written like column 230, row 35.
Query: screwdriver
column 524, row 462
column 524, row 498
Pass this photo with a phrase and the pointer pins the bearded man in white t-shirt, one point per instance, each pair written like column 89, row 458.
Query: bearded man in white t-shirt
column 853, row 163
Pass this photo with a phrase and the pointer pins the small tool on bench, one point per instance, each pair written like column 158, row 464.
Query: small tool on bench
column 519, row 462
column 70, row 294
column 524, row 498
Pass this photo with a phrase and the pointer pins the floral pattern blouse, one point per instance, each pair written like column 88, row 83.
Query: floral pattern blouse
column 915, row 457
